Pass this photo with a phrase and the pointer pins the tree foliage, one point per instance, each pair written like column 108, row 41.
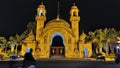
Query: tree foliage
column 100, row 36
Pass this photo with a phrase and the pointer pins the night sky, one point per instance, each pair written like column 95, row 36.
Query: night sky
column 95, row 14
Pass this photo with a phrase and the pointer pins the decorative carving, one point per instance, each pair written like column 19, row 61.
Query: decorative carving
column 45, row 39
column 37, row 52
column 69, row 41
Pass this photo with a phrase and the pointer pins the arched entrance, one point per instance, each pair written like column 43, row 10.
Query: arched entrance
column 57, row 48
column 85, row 53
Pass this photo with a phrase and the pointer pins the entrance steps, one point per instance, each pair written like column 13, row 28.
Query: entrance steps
column 57, row 56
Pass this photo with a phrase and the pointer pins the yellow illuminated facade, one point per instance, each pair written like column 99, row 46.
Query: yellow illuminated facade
column 41, row 43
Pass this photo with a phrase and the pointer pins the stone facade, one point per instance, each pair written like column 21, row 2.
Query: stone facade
column 41, row 42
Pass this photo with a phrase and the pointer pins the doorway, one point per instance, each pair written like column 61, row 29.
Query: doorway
column 57, row 48
column 86, row 53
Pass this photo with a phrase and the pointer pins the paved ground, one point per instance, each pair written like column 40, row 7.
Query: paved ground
column 76, row 64
column 66, row 63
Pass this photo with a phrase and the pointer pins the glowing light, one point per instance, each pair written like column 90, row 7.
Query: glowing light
column 57, row 34
column 117, row 47
column 12, row 45
column 118, row 42
column 40, row 13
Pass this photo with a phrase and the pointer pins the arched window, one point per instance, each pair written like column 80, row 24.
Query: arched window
column 74, row 13
column 41, row 13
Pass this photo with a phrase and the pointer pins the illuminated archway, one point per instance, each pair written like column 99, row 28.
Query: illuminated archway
column 57, row 46
column 57, row 34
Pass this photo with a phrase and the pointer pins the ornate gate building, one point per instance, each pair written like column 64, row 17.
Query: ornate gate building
column 44, row 43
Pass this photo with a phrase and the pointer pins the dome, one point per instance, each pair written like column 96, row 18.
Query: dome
column 41, row 5
column 30, row 37
column 57, row 22
column 74, row 6
column 82, row 36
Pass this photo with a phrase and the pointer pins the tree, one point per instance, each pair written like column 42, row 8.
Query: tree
column 15, row 40
column 3, row 44
column 31, row 26
column 94, row 41
column 99, row 36
column 111, row 39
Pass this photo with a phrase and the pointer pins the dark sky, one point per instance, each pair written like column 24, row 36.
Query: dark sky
column 95, row 14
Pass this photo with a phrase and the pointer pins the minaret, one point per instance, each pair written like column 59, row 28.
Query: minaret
column 40, row 18
column 74, row 19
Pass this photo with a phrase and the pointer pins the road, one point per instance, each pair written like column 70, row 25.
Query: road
column 77, row 64
column 68, row 64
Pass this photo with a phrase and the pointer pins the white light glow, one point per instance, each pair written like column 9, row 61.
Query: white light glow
column 40, row 13
column 57, row 34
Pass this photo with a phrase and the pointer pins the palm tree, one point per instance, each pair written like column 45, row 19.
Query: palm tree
column 16, row 40
column 31, row 26
column 100, row 36
column 112, row 35
column 3, row 43
column 94, row 41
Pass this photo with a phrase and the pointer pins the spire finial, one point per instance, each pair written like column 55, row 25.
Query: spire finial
column 41, row 3
column 82, row 30
column 58, row 11
column 74, row 4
